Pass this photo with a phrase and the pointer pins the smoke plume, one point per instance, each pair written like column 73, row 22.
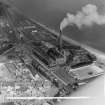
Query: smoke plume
column 86, row 17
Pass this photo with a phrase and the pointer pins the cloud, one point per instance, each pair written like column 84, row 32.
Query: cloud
column 87, row 16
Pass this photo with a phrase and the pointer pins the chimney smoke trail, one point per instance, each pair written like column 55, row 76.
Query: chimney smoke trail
column 88, row 16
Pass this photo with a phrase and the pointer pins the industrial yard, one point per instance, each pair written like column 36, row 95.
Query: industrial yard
column 37, row 62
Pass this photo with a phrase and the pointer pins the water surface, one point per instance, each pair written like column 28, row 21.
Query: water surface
column 51, row 12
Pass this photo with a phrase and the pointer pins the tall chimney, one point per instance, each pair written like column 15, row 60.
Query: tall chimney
column 60, row 40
